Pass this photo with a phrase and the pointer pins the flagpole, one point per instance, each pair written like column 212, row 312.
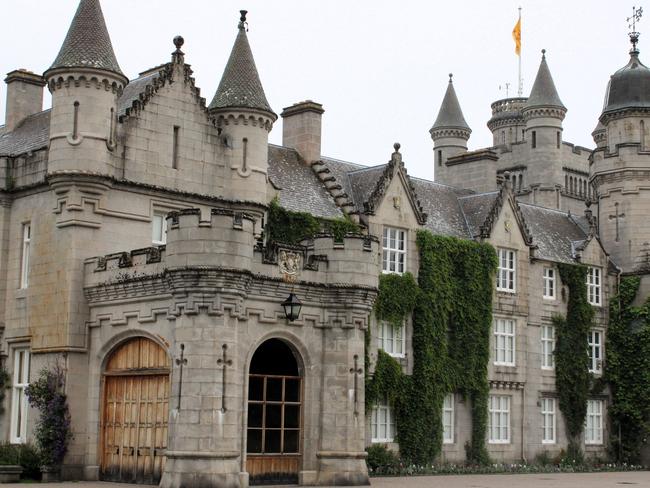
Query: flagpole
column 521, row 87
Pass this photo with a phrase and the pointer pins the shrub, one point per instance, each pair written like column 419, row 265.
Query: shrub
column 24, row 455
column 382, row 460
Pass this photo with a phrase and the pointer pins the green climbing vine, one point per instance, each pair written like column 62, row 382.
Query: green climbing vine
column 571, row 355
column 452, row 317
column 4, row 385
column 396, row 299
column 628, row 371
column 291, row 227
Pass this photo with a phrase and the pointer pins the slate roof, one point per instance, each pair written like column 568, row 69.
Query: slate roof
column 476, row 209
column 555, row 233
column 544, row 93
column 450, row 113
column 87, row 44
column 240, row 86
column 363, row 182
column 31, row 134
column 133, row 90
column 300, row 188
column 441, row 204
column 629, row 87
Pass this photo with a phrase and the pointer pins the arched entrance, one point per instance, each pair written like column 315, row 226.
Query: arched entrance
column 135, row 411
column 274, row 415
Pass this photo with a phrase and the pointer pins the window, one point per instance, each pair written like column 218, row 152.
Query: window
column 548, row 420
column 549, row 283
column 504, row 342
column 503, row 137
column 394, row 250
column 391, row 339
column 506, row 270
column 594, row 422
column 24, row 258
column 19, row 399
column 533, row 139
column 159, row 229
column 559, row 139
column 499, row 419
column 382, row 424
column 595, row 351
column 593, row 286
column 548, row 346
column 439, row 157
column 448, row 419
column 175, row 147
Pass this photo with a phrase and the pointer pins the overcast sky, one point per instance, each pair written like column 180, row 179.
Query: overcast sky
column 379, row 67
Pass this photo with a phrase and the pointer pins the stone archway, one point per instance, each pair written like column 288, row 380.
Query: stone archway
column 275, row 411
column 135, row 412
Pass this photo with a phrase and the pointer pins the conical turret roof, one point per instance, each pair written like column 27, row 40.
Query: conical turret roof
column 87, row 44
column 543, row 93
column 240, row 86
column 450, row 114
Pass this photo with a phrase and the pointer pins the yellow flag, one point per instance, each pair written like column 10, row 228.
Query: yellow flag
column 516, row 35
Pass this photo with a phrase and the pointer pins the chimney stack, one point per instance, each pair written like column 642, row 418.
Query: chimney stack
column 301, row 129
column 24, row 96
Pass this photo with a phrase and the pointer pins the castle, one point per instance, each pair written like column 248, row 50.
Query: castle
column 133, row 253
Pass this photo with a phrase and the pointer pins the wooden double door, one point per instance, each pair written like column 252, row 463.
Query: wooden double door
column 134, row 421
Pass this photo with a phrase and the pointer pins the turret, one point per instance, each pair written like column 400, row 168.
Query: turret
column 543, row 114
column 85, row 81
column 620, row 166
column 244, row 119
column 507, row 123
column 449, row 132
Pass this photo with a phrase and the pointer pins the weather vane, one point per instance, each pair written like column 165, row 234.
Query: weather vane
column 631, row 23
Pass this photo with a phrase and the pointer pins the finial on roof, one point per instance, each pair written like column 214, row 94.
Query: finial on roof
column 396, row 157
column 396, row 146
column 543, row 53
column 631, row 23
column 178, row 42
column 242, row 19
column 451, row 75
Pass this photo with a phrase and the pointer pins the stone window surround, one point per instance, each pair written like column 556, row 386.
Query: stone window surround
column 382, row 408
column 549, row 420
column 547, row 346
column 594, row 286
column 595, row 347
column 391, row 339
column 594, row 422
column 24, row 254
column 499, row 412
column 549, row 283
column 391, row 254
column 505, row 339
column 448, row 419
column 159, row 228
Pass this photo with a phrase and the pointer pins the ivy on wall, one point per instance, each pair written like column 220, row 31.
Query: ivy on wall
column 291, row 227
column 452, row 318
column 572, row 376
column 4, row 385
column 628, row 371
column 396, row 299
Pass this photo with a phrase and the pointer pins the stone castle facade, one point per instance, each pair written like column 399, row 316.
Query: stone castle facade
column 133, row 254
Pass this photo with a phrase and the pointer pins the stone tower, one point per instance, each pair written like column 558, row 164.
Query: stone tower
column 449, row 132
column 244, row 119
column 620, row 168
column 85, row 81
column 543, row 114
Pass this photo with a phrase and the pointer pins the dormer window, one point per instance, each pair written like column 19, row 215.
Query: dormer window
column 393, row 251
column 506, row 272
column 594, row 286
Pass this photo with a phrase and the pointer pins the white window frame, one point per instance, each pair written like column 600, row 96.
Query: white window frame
column 19, row 404
column 24, row 254
column 390, row 339
column 499, row 419
column 549, row 283
column 505, row 339
column 595, row 345
column 548, row 421
column 159, row 240
column 547, row 346
column 594, row 422
column 594, row 286
column 382, row 418
column 393, row 253
column 448, row 418
column 507, row 270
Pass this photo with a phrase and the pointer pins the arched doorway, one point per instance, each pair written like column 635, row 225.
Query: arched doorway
column 274, row 415
column 135, row 412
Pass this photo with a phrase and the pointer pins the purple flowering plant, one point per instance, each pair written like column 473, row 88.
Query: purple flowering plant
column 53, row 433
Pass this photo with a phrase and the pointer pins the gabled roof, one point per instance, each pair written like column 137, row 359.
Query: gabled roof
column 450, row 114
column 544, row 93
column 240, row 85
column 87, row 44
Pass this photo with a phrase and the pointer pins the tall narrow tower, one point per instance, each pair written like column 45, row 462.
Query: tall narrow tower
column 449, row 132
column 620, row 167
column 245, row 118
column 85, row 81
column 544, row 113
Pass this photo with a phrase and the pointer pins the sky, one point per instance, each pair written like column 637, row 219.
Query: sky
column 379, row 67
